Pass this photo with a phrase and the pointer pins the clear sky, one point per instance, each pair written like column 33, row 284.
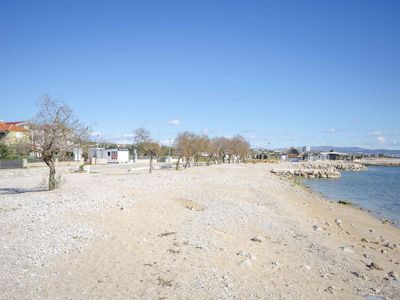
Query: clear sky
column 278, row 72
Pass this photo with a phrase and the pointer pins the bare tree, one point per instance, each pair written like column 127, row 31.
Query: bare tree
column 213, row 152
column 146, row 145
column 201, row 147
column 222, row 145
column 245, row 150
column 220, row 149
column 54, row 132
column 185, row 145
column 240, row 148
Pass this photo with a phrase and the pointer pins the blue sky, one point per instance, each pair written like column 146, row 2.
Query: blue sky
column 280, row 73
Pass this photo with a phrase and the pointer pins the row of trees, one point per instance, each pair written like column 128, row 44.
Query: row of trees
column 54, row 131
column 191, row 148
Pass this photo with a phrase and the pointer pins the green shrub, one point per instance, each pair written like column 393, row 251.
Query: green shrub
column 5, row 152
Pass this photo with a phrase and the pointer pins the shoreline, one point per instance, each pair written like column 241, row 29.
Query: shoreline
column 225, row 231
column 351, row 202
column 347, row 202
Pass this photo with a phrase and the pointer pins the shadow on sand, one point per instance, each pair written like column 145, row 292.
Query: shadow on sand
column 13, row 191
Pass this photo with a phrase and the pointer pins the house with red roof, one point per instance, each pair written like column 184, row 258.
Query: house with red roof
column 13, row 132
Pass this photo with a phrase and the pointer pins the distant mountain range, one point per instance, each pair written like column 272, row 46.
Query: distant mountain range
column 351, row 150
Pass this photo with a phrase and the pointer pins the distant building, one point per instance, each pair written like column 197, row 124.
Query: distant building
column 260, row 153
column 290, row 154
column 333, row 155
column 292, row 157
column 306, row 149
column 13, row 132
column 310, row 156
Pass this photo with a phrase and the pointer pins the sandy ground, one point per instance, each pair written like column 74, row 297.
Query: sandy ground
column 221, row 232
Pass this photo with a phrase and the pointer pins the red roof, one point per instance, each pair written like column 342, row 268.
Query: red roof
column 15, row 123
column 11, row 127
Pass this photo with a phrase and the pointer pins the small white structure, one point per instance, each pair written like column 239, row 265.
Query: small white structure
column 307, row 149
column 77, row 154
column 111, row 155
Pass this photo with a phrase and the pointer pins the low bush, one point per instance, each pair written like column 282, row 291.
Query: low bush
column 59, row 181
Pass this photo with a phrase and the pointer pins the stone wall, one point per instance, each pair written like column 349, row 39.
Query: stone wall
column 13, row 164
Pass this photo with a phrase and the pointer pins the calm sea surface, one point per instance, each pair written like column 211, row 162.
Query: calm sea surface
column 377, row 190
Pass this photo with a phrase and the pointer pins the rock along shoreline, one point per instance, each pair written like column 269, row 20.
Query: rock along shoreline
column 317, row 169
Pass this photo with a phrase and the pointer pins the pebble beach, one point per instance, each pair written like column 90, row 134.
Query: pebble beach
column 229, row 231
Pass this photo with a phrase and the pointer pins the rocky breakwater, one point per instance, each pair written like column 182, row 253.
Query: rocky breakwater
column 317, row 170
column 387, row 162
column 307, row 173
column 339, row 166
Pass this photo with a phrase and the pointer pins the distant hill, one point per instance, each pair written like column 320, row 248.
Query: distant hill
column 356, row 150
column 351, row 150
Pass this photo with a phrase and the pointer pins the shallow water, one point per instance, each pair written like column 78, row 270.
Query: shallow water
column 377, row 190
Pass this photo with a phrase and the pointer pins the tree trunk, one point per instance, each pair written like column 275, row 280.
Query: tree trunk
column 177, row 163
column 52, row 174
column 187, row 162
column 151, row 164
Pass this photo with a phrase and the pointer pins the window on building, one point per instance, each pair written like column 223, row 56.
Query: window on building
column 108, row 153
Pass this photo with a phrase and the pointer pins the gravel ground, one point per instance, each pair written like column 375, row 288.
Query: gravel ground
column 227, row 231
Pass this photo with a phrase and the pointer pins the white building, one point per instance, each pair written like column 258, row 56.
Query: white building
column 111, row 155
column 77, row 154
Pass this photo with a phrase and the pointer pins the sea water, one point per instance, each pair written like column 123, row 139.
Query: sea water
column 376, row 190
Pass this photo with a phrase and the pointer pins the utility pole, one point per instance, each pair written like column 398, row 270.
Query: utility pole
column 169, row 149
column 97, row 146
